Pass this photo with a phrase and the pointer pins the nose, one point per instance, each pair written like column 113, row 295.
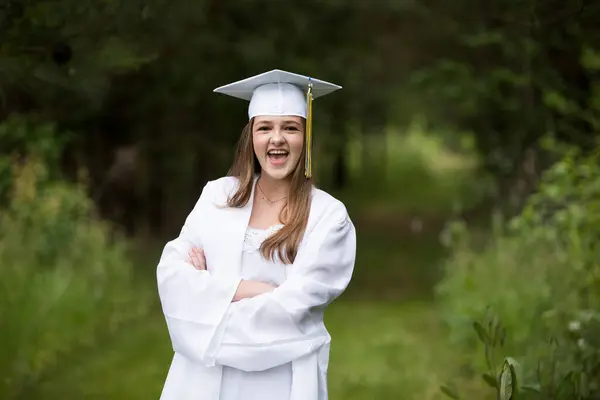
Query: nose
column 277, row 137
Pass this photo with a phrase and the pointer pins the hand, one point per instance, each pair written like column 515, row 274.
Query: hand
column 249, row 288
column 197, row 259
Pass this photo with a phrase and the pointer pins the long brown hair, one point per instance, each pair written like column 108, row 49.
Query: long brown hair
column 284, row 244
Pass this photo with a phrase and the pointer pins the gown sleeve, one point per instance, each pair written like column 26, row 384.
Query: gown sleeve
column 278, row 327
column 194, row 302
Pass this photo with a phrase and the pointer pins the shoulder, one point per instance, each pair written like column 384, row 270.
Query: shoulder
column 325, row 207
column 221, row 188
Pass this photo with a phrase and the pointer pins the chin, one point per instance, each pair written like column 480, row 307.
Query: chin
column 278, row 174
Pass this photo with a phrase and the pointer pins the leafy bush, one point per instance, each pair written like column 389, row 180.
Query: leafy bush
column 21, row 135
column 64, row 284
column 568, row 370
column 540, row 273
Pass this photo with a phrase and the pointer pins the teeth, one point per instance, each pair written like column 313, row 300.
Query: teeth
column 275, row 152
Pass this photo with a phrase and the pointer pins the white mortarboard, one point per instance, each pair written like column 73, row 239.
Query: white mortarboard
column 278, row 93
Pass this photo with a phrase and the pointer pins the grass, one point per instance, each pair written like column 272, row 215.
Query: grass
column 386, row 350
column 382, row 350
column 395, row 266
column 132, row 365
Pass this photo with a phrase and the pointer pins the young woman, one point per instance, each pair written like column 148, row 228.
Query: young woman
column 263, row 252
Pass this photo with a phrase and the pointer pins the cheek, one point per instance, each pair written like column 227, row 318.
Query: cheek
column 296, row 143
column 259, row 143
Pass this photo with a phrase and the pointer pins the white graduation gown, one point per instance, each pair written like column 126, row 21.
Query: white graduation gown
column 209, row 332
column 273, row 383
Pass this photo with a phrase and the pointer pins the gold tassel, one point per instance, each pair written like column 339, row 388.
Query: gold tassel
column 309, row 101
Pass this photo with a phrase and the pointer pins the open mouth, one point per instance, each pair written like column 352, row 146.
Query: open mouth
column 277, row 157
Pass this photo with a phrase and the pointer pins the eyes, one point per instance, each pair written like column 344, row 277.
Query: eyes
column 288, row 128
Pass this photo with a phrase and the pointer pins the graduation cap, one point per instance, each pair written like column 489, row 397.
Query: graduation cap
column 279, row 93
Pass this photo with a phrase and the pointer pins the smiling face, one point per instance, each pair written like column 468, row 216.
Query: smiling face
column 278, row 143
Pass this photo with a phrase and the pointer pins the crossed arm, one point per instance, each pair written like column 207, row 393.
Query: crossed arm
column 245, row 290
column 219, row 319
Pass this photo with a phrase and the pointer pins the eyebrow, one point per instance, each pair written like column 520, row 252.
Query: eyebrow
column 264, row 123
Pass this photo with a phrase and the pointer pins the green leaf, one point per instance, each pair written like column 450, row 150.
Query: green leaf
column 502, row 337
column 514, row 384
column 450, row 392
column 590, row 59
column 555, row 100
column 532, row 388
column 497, row 333
column 483, row 336
column 508, row 380
column 490, row 380
column 505, row 385
column 584, row 386
column 566, row 388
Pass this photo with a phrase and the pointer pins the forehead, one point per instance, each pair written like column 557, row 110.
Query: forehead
column 277, row 119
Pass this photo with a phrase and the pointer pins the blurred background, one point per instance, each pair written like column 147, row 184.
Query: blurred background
column 464, row 144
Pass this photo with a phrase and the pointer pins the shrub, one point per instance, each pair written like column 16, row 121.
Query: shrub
column 64, row 284
column 540, row 273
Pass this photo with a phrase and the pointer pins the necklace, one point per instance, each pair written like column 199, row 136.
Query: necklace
column 271, row 202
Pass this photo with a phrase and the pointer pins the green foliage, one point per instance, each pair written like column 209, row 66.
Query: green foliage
column 140, row 73
column 540, row 273
column 60, row 52
column 568, row 370
column 64, row 284
column 514, row 73
column 26, row 135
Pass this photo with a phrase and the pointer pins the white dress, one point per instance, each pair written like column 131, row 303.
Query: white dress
column 274, row 383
